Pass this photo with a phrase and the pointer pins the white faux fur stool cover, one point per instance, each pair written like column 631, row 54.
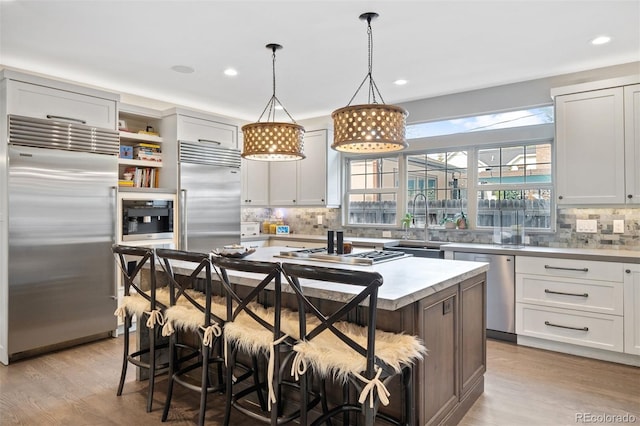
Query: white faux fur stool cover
column 330, row 357
column 185, row 316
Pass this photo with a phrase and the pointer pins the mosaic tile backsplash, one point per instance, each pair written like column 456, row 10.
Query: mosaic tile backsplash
column 305, row 221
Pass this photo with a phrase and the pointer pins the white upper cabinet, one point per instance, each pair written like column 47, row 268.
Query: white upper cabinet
column 93, row 108
column 255, row 182
column 632, row 142
column 196, row 129
column 597, row 143
column 590, row 147
column 314, row 181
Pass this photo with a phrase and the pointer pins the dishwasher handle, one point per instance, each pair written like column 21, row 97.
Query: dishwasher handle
column 562, row 268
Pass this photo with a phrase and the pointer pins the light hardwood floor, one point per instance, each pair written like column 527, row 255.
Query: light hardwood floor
column 524, row 386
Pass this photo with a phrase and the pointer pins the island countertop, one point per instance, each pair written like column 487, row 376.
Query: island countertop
column 406, row 280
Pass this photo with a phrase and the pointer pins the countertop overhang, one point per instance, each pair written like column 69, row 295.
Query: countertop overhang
column 406, row 280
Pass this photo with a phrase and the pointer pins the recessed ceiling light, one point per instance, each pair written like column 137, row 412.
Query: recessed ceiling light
column 230, row 72
column 183, row 69
column 601, row 40
column 400, row 82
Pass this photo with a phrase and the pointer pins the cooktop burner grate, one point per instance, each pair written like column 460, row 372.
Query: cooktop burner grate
column 363, row 258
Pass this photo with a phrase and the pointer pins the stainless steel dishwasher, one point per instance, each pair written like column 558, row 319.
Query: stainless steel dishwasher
column 501, row 319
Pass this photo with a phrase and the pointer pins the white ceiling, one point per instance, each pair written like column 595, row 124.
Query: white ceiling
column 440, row 47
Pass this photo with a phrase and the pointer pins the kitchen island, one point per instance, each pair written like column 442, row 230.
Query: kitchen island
column 441, row 301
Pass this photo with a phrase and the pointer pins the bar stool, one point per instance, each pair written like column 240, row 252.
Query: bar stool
column 194, row 313
column 350, row 354
column 149, row 304
column 258, row 326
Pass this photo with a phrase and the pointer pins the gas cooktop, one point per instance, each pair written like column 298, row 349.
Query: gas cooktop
column 361, row 258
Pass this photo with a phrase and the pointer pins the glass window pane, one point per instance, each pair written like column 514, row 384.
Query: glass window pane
column 379, row 208
column 502, row 120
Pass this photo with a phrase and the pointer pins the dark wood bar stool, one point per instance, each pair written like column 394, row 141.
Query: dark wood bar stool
column 200, row 315
column 357, row 356
column 147, row 306
column 258, row 327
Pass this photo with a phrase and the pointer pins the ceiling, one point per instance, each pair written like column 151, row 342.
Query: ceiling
column 440, row 47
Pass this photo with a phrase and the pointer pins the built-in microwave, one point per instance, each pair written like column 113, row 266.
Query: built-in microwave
column 150, row 219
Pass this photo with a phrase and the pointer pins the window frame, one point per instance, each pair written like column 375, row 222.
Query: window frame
column 399, row 191
column 471, row 142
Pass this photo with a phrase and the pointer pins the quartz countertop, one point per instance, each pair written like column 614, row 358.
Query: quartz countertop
column 406, row 280
column 605, row 255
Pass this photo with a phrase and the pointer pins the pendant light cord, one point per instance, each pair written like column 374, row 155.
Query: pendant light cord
column 373, row 88
column 271, row 104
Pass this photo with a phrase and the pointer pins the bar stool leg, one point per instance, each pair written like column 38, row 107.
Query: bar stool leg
column 125, row 360
column 172, row 369
column 152, row 367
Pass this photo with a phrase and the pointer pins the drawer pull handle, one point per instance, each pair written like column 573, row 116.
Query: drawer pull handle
column 59, row 117
column 546, row 290
column 550, row 324
column 209, row 140
column 566, row 269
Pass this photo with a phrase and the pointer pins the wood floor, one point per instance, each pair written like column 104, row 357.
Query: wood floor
column 524, row 386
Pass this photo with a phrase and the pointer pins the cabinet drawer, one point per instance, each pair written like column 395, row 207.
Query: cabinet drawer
column 595, row 296
column 578, row 328
column 570, row 268
column 31, row 100
column 194, row 129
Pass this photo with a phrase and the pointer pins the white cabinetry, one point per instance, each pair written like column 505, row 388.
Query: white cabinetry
column 597, row 143
column 590, row 147
column 571, row 301
column 255, row 183
column 632, row 309
column 195, row 129
column 96, row 109
column 314, row 181
column 632, row 142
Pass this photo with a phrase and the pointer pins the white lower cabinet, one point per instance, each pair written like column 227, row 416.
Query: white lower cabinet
column 575, row 327
column 632, row 309
column 571, row 301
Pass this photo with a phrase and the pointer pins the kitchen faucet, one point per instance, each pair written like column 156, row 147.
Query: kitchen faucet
column 426, row 213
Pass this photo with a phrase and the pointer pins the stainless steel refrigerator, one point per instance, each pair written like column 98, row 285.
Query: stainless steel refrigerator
column 61, row 203
column 209, row 184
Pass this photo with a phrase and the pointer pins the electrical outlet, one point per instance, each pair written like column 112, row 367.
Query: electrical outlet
column 319, row 217
column 589, row 226
column 386, row 234
column 618, row 226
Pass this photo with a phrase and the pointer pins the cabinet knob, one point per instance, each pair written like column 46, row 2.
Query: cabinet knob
column 293, row 201
column 249, row 200
column 628, row 271
column 630, row 196
column 322, row 199
column 559, row 197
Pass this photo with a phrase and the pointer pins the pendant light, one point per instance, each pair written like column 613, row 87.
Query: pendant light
column 272, row 140
column 372, row 127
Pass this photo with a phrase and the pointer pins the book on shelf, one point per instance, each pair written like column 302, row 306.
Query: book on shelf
column 143, row 177
column 125, row 183
column 147, row 145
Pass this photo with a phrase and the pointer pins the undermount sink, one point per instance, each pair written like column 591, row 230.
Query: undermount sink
column 420, row 248
column 418, row 244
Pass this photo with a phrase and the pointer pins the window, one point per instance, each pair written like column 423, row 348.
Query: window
column 515, row 178
column 372, row 189
column 503, row 120
column 440, row 180
column 484, row 175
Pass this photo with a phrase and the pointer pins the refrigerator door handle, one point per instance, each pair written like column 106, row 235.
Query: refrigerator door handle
column 183, row 219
